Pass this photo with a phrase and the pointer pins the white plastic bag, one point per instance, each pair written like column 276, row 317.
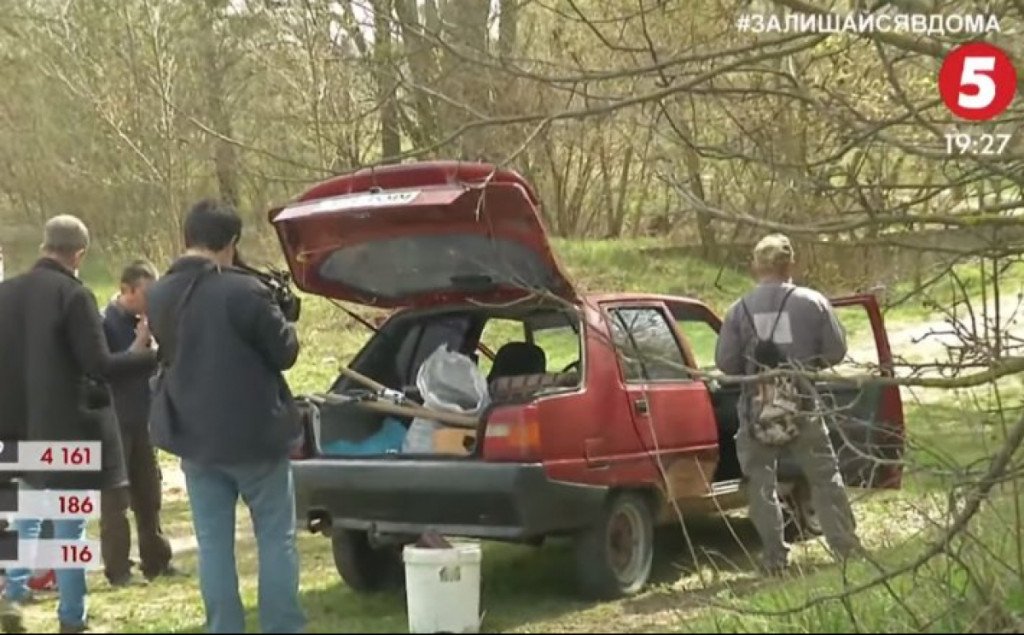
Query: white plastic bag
column 451, row 382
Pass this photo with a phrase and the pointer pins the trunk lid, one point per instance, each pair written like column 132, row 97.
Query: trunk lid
column 420, row 235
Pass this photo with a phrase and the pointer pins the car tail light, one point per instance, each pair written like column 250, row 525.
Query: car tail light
column 513, row 435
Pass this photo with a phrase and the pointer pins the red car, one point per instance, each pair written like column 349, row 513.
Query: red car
column 594, row 430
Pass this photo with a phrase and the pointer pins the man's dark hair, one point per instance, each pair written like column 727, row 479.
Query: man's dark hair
column 138, row 271
column 212, row 225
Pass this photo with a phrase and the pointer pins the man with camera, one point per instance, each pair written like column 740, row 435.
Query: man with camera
column 222, row 404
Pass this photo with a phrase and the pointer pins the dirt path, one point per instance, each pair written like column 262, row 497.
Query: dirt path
column 931, row 340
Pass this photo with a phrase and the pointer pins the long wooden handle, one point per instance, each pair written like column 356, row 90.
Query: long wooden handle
column 452, row 419
column 358, row 377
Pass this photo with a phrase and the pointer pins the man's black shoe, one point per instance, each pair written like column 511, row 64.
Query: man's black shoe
column 126, row 581
column 170, row 571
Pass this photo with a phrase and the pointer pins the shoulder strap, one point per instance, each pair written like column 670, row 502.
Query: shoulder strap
column 750, row 319
column 778, row 316
column 171, row 317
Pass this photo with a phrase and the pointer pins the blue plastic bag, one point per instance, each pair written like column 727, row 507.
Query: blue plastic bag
column 386, row 440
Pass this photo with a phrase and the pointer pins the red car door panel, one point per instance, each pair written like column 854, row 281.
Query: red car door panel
column 673, row 440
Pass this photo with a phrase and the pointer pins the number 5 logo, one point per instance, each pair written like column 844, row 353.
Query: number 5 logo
column 977, row 81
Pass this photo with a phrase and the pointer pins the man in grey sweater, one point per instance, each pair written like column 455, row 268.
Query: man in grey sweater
column 808, row 334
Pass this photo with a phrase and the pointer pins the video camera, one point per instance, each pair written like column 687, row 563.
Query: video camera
column 279, row 283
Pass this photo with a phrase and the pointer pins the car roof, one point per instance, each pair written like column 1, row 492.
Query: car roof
column 602, row 298
column 605, row 297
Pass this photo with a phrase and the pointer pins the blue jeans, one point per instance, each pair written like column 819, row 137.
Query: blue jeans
column 266, row 489
column 71, row 610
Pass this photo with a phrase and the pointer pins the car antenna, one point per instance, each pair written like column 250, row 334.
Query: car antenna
column 375, row 187
column 721, row 266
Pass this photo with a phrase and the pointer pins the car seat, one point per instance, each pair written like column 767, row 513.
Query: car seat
column 518, row 358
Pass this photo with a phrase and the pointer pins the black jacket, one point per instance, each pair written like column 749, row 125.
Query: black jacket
column 220, row 397
column 131, row 393
column 53, row 362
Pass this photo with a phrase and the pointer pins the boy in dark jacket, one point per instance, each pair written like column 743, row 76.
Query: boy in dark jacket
column 121, row 320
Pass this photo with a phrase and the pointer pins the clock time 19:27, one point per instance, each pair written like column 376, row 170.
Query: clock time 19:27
column 985, row 143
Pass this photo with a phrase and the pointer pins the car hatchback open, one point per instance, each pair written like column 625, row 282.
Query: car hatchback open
column 595, row 430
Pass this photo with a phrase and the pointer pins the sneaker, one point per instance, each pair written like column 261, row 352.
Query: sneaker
column 11, row 619
column 170, row 571
column 46, row 581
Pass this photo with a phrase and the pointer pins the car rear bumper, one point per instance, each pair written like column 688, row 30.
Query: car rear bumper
column 501, row 501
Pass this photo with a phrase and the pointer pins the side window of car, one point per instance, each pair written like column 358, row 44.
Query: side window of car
column 625, row 349
column 498, row 332
column 646, row 345
column 702, row 338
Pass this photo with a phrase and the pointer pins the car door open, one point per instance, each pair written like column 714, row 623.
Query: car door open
column 866, row 421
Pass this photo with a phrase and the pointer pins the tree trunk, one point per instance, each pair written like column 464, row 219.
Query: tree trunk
column 390, row 137
column 508, row 27
column 225, row 154
column 419, row 52
column 465, row 31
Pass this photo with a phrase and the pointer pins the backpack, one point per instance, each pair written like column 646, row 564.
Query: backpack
column 776, row 405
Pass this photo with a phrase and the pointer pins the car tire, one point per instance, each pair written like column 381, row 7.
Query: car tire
column 614, row 557
column 363, row 567
column 800, row 519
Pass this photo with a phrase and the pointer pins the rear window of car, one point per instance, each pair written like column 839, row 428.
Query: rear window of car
column 555, row 333
column 498, row 332
column 395, row 268
column 561, row 345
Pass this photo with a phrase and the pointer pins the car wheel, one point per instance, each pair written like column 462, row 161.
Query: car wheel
column 800, row 517
column 363, row 567
column 615, row 555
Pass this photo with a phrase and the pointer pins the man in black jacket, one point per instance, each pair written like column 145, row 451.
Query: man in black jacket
column 121, row 321
column 221, row 403
column 53, row 364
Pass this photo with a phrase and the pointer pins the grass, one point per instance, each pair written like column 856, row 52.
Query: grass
column 531, row 590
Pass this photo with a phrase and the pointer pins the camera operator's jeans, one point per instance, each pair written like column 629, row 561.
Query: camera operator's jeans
column 266, row 489
column 71, row 610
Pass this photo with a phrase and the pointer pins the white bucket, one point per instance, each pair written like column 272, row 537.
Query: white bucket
column 442, row 588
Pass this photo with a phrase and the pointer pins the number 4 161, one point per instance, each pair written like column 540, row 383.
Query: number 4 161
column 68, row 456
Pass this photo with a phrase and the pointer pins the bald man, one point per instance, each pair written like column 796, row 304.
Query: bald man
column 54, row 362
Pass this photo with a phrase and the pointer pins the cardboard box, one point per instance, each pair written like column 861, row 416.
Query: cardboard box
column 457, row 441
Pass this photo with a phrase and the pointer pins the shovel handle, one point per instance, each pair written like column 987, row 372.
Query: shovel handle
column 360, row 378
column 450, row 419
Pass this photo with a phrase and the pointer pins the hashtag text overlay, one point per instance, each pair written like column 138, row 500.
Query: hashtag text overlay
column 862, row 22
